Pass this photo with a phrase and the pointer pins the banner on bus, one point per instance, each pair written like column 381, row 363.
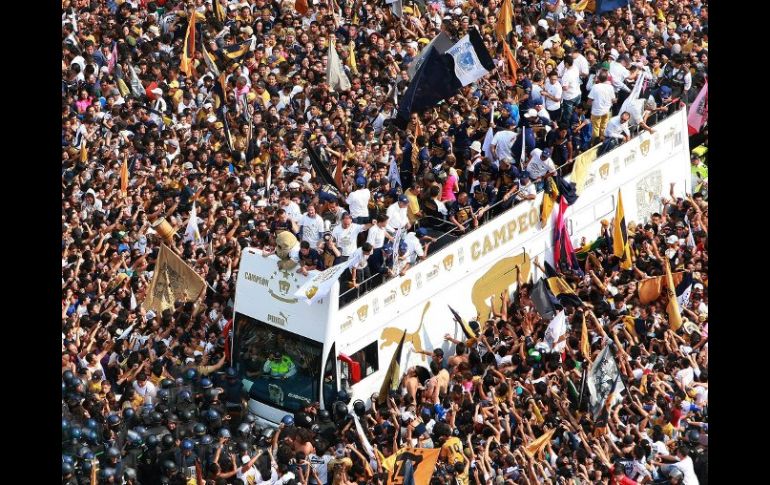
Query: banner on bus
column 320, row 284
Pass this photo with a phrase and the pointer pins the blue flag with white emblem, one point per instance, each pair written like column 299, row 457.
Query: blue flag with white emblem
column 442, row 75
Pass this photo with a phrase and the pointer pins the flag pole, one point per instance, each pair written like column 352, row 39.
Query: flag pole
column 582, row 387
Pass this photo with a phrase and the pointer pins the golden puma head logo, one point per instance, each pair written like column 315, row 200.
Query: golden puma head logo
column 363, row 312
column 604, row 171
column 406, row 287
column 644, row 147
column 284, row 286
column 449, row 261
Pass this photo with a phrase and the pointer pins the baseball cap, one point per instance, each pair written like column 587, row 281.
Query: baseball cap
column 546, row 153
column 403, row 199
column 476, row 146
column 672, row 239
column 531, row 113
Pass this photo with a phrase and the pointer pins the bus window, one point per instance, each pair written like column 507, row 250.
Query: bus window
column 284, row 367
column 368, row 359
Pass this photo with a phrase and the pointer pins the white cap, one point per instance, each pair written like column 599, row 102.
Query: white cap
column 543, row 23
column 293, row 185
column 614, row 54
column 457, row 11
column 672, row 239
column 476, row 146
column 157, row 92
column 532, row 112
column 697, row 286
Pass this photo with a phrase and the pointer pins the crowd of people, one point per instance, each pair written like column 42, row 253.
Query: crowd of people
column 234, row 135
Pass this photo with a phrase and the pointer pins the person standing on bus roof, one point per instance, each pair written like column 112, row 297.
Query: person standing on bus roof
column 378, row 232
column 279, row 366
column 345, row 236
column 397, row 215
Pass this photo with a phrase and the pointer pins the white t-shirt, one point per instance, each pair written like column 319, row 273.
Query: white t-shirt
column 636, row 109
column 526, row 190
column 602, row 95
column 570, row 82
column 292, row 210
column 685, row 376
column 502, row 142
column 538, row 167
column 616, row 129
column 319, row 463
column 376, row 236
column 619, row 74
column 414, row 247
column 148, row 391
column 554, row 90
column 397, row 217
column 358, row 259
column 688, row 469
column 312, row 227
column 358, row 202
column 346, row 238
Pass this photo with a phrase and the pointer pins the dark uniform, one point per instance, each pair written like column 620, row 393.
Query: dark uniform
column 674, row 80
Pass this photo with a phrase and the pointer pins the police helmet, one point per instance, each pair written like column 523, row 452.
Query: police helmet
column 288, row 420
column 187, row 444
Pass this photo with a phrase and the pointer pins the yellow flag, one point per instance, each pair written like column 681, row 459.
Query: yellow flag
column 620, row 246
column 674, row 316
column 539, row 444
column 352, row 58
column 173, row 280
column 589, row 5
column 188, row 48
column 651, row 288
column 581, row 166
column 423, row 463
column 585, row 346
column 628, row 322
column 548, row 201
column 83, row 152
column 504, row 20
column 538, row 414
column 124, row 177
column 393, row 374
column 510, row 61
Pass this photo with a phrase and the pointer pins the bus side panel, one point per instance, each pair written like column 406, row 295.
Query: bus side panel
column 470, row 275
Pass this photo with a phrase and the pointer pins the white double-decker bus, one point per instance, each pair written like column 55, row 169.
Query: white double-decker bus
column 349, row 347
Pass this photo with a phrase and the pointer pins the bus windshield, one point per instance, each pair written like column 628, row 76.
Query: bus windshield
column 284, row 367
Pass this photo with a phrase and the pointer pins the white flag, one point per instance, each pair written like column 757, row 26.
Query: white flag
column 393, row 175
column 192, row 233
column 126, row 332
column 487, row 146
column 335, row 75
column 556, row 329
column 396, row 243
column 320, row 284
column 362, row 436
column 136, row 85
column 468, row 67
